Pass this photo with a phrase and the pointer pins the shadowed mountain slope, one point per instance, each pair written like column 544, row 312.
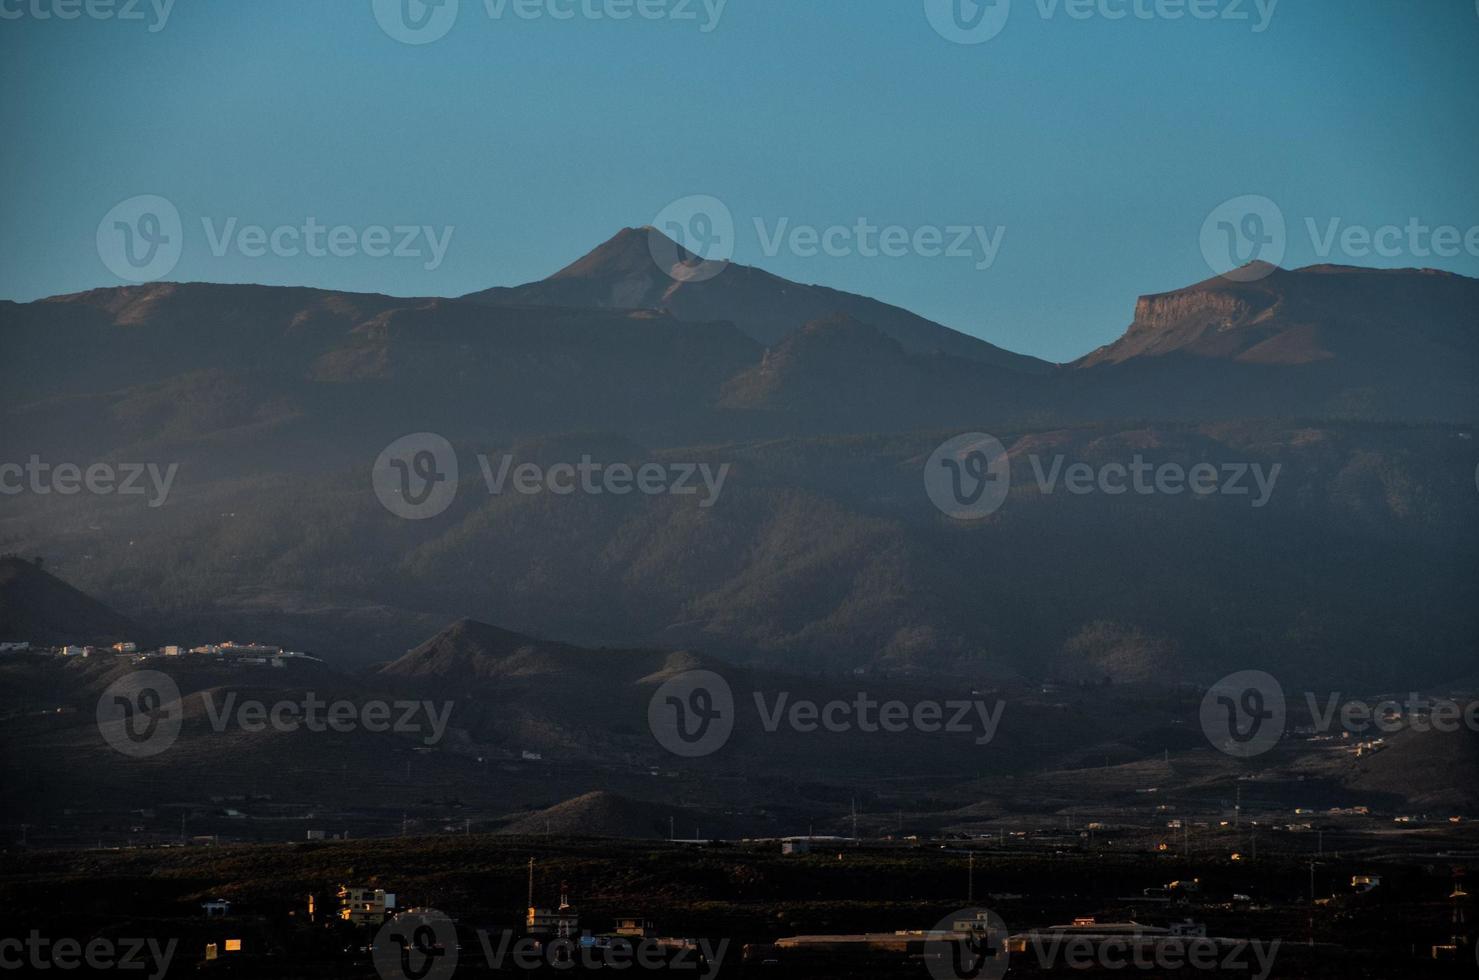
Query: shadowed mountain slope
column 37, row 606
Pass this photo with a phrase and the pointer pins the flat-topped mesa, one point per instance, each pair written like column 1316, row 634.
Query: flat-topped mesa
column 1310, row 314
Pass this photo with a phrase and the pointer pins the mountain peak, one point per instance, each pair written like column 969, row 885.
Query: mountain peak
column 466, row 648
column 631, row 252
column 642, row 268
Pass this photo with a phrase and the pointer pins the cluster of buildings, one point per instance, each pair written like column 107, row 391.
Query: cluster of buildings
column 557, row 928
column 250, row 654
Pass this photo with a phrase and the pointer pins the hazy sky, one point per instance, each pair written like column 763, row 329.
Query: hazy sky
column 1089, row 149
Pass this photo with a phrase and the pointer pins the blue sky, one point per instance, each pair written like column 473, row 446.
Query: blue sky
column 1099, row 145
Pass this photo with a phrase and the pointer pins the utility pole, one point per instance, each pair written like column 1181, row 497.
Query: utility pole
column 531, row 883
column 855, row 820
column 970, row 881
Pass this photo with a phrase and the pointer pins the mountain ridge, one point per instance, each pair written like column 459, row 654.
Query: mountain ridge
column 623, row 272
